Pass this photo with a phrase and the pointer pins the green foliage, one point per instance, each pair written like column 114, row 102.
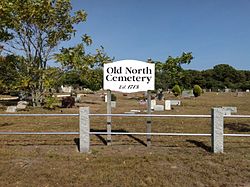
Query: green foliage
column 176, row 90
column 34, row 28
column 197, row 90
column 220, row 77
column 113, row 97
column 50, row 102
column 170, row 73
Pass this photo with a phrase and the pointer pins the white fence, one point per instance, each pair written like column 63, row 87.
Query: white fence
column 217, row 127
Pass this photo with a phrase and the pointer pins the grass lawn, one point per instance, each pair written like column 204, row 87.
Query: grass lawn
column 53, row 160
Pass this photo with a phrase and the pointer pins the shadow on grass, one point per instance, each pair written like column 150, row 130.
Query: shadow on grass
column 77, row 142
column 5, row 124
column 200, row 144
column 240, row 127
column 104, row 141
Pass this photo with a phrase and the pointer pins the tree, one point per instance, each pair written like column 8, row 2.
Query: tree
column 87, row 66
column 33, row 29
column 172, row 68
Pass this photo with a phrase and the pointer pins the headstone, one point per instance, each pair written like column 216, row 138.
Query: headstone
column 153, row 103
column 129, row 112
column 11, row 109
column 66, row 89
column 113, row 104
column 247, row 91
column 175, row 102
column 158, row 108
column 167, row 105
column 239, row 94
column 21, row 105
column 229, row 110
column 227, row 90
column 187, row 93
column 135, row 111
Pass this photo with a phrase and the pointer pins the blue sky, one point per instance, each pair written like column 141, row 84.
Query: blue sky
column 215, row 31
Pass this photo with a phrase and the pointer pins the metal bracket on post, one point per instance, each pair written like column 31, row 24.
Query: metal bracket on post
column 217, row 137
column 149, row 118
column 109, row 138
column 84, row 142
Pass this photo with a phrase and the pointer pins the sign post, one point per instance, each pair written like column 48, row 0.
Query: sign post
column 109, row 140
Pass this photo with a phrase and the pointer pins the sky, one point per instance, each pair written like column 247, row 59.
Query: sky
column 215, row 31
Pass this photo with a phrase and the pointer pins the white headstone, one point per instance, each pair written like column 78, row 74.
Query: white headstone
column 247, row 91
column 21, row 107
column 230, row 109
column 167, row 105
column 158, row 108
column 113, row 104
column 175, row 102
column 11, row 109
column 153, row 103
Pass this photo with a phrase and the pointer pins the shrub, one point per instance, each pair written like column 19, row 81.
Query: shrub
column 197, row 90
column 68, row 102
column 176, row 90
column 50, row 102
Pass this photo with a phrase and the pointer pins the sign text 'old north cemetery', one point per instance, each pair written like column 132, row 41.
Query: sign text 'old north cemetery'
column 129, row 76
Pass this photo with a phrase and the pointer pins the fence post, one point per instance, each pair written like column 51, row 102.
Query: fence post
column 149, row 118
column 84, row 130
column 217, row 130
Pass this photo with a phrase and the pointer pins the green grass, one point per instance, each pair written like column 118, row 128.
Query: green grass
column 33, row 160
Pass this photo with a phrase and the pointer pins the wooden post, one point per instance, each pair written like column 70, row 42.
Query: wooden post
column 149, row 118
column 84, row 130
column 109, row 139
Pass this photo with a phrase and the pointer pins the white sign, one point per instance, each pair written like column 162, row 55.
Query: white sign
column 129, row 76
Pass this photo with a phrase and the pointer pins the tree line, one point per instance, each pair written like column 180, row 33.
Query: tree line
column 220, row 77
column 31, row 32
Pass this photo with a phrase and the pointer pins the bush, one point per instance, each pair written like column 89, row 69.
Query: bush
column 50, row 102
column 68, row 102
column 176, row 90
column 197, row 90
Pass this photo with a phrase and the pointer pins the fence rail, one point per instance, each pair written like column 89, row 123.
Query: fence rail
column 217, row 134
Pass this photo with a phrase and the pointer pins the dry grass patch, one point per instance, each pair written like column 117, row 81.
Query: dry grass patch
column 170, row 161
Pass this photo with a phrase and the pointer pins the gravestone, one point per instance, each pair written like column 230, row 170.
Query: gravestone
column 167, row 105
column 239, row 94
column 247, row 91
column 66, row 89
column 113, row 104
column 175, row 102
column 158, row 108
column 11, row 109
column 229, row 110
column 187, row 93
column 21, row 105
column 153, row 103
